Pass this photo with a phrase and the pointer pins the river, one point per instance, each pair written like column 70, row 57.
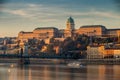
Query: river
column 9, row 71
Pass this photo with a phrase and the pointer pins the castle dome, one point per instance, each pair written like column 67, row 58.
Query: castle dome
column 70, row 20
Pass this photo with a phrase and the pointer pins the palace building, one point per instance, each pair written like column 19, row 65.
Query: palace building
column 39, row 33
column 53, row 32
column 49, row 32
column 93, row 30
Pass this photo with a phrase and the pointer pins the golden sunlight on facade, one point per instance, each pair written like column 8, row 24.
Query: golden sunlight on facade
column 102, row 51
column 44, row 33
column 92, row 30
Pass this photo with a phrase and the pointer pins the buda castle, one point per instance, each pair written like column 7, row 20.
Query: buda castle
column 43, row 33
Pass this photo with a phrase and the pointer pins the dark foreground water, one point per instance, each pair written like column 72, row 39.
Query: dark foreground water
column 59, row 72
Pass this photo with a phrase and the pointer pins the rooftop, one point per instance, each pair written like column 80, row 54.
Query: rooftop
column 94, row 26
column 45, row 28
column 25, row 32
column 113, row 29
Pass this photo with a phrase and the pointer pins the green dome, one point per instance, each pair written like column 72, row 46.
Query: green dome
column 70, row 20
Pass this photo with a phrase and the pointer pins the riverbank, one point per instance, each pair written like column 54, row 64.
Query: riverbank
column 100, row 61
column 64, row 61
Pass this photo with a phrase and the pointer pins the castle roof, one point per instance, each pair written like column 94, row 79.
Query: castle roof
column 113, row 29
column 93, row 26
column 39, row 28
column 25, row 32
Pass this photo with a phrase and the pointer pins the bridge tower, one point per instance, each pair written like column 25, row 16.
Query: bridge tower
column 24, row 59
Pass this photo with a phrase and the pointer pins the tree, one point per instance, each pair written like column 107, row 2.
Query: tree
column 82, row 42
column 68, row 45
column 31, row 42
column 40, row 44
column 50, row 48
column 52, row 40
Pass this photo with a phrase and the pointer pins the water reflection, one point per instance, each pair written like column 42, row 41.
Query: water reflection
column 45, row 72
column 103, row 72
column 59, row 72
column 23, row 73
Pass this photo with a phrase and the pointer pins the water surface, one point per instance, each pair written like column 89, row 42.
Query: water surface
column 59, row 72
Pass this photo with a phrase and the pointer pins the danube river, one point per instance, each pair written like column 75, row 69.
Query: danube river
column 9, row 71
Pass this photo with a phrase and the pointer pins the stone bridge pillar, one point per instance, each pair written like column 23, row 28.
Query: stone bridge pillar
column 24, row 55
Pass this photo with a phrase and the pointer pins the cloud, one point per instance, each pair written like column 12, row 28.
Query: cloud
column 117, row 4
column 18, row 12
column 34, row 5
column 35, row 11
column 2, row 1
column 32, row 11
column 95, row 14
column 106, row 14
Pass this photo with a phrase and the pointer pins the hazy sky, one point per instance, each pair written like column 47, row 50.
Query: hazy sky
column 26, row 15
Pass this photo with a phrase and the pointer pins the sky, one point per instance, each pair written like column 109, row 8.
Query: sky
column 26, row 15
